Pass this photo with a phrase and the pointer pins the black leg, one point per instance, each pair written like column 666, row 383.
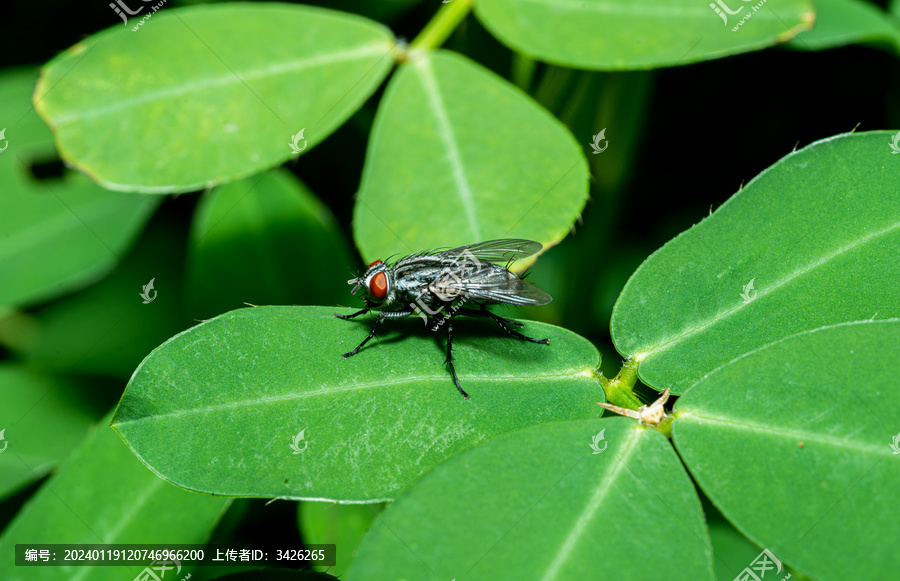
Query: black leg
column 505, row 324
column 356, row 314
column 449, row 360
column 366, row 340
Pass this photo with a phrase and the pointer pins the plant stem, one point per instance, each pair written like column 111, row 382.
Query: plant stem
column 620, row 391
column 441, row 25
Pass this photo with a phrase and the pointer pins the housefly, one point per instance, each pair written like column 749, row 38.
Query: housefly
column 441, row 282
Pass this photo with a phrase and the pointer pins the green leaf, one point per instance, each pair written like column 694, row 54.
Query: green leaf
column 42, row 419
column 842, row 22
column 541, row 504
column 813, row 233
column 645, row 34
column 457, row 156
column 103, row 494
column 70, row 226
column 219, row 407
column 342, row 525
column 265, row 240
column 190, row 102
column 793, row 443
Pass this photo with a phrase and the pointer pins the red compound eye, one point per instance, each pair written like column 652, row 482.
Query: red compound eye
column 378, row 286
column 376, row 262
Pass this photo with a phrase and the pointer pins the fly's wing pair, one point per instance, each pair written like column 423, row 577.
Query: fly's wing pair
column 501, row 252
column 493, row 282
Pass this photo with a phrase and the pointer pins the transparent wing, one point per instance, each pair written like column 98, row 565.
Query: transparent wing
column 513, row 291
column 486, row 283
column 501, row 251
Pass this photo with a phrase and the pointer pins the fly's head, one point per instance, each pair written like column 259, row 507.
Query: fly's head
column 377, row 282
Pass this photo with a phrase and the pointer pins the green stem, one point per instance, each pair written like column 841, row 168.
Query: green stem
column 442, row 24
column 620, row 391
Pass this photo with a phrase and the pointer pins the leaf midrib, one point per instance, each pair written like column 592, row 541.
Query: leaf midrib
column 429, row 84
column 587, row 514
column 787, row 434
column 668, row 342
column 235, row 78
column 573, row 374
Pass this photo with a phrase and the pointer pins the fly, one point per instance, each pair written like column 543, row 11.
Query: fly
column 442, row 282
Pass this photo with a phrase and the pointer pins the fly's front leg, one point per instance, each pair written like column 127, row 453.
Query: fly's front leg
column 356, row 314
column 381, row 315
column 449, row 360
column 371, row 333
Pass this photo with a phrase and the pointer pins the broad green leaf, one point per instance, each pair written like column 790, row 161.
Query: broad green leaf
column 103, row 494
column 73, row 228
column 207, row 94
column 541, row 504
column 641, row 34
column 107, row 329
column 842, row 22
column 796, row 445
column 265, row 240
column 342, row 525
column 816, row 234
column 457, row 156
column 259, row 401
column 41, row 420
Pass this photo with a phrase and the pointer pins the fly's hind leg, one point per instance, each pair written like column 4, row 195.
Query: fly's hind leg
column 505, row 324
column 449, row 360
